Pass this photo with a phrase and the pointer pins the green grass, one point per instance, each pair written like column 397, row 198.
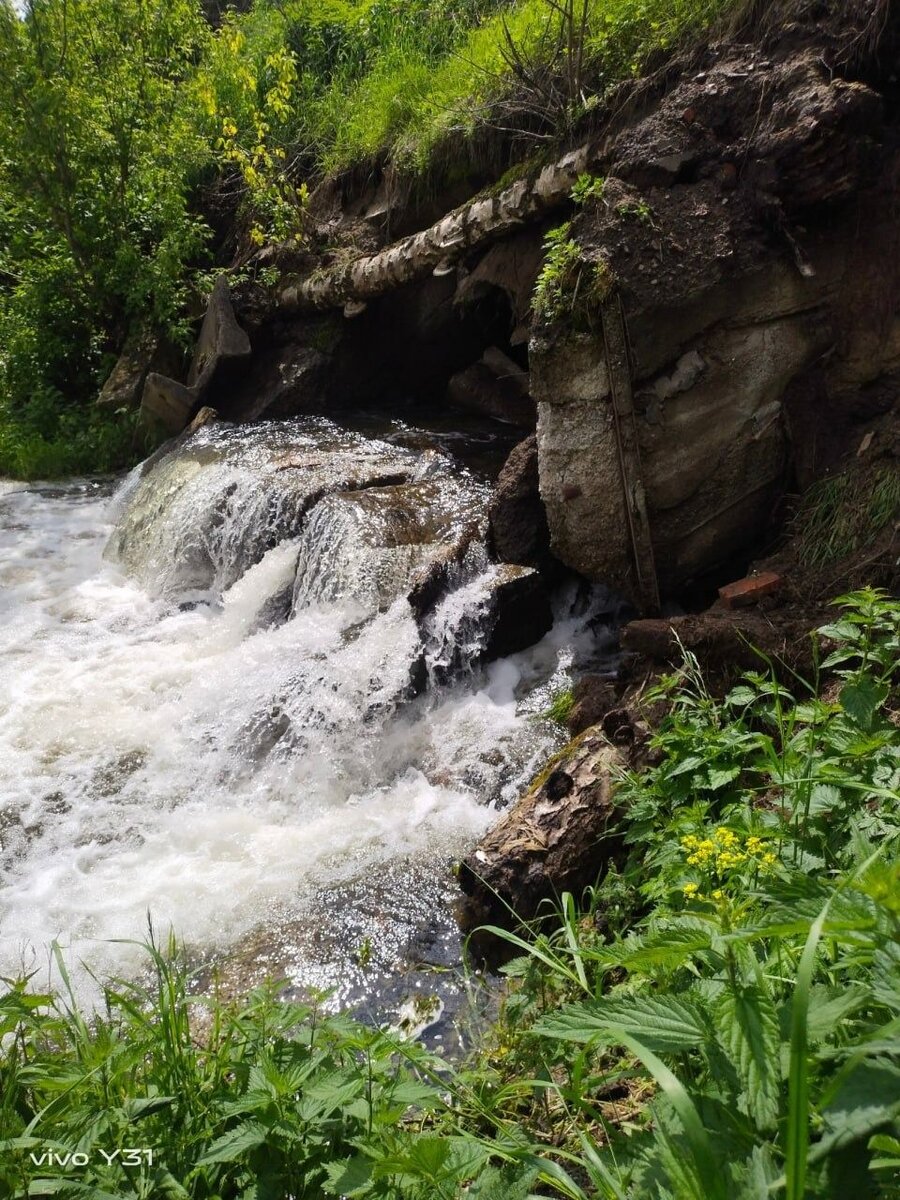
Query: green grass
column 560, row 707
column 841, row 515
column 210, row 1091
column 402, row 86
column 718, row 1017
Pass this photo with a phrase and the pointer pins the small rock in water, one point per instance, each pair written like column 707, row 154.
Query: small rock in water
column 417, row 1013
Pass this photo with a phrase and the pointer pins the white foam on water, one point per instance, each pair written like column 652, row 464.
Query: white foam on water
column 212, row 767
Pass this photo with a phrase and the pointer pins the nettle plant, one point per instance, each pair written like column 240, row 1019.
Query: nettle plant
column 757, row 994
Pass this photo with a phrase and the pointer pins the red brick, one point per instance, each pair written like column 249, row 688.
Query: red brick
column 748, row 591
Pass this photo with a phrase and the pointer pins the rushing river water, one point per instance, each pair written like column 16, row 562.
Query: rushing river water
column 213, row 723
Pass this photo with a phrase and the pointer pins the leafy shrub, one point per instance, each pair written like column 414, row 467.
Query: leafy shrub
column 97, row 158
column 51, row 438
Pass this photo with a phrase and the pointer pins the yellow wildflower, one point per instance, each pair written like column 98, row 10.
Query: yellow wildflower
column 690, row 890
column 728, row 859
column 705, row 850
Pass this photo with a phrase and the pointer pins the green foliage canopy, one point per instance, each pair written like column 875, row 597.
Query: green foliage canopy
column 98, row 153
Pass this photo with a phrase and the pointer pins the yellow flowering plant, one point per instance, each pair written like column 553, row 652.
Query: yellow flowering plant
column 725, row 861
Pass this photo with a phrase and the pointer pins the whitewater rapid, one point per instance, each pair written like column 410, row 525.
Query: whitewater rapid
column 247, row 783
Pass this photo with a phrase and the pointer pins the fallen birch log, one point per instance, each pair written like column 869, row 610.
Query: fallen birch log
column 441, row 245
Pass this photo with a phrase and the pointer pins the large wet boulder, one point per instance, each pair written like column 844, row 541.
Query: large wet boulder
column 495, row 387
column 211, row 507
column 519, row 612
column 167, row 405
column 558, row 837
column 434, row 578
column 518, row 522
column 376, row 544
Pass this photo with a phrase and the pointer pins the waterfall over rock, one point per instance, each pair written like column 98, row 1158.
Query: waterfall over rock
column 195, row 520
column 268, row 688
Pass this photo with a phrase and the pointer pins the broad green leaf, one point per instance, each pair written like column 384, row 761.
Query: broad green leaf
column 24, row 1143
column 74, row 1188
column 888, row 1150
column 866, row 1100
column 349, row 1177
column 823, row 798
column 690, row 762
column 759, row 1174
column 330, row 1093
column 665, row 1024
column 510, row 1183
column 719, row 777
column 671, row 1158
column 747, row 1024
column 829, row 1006
column 668, row 947
column 424, row 1157
column 167, row 1187
column 411, row 1092
column 740, row 696
column 886, row 973
column 468, row 1155
column 861, row 698
column 841, row 631
column 429, row 1154
column 234, row 1145
column 144, row 1106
